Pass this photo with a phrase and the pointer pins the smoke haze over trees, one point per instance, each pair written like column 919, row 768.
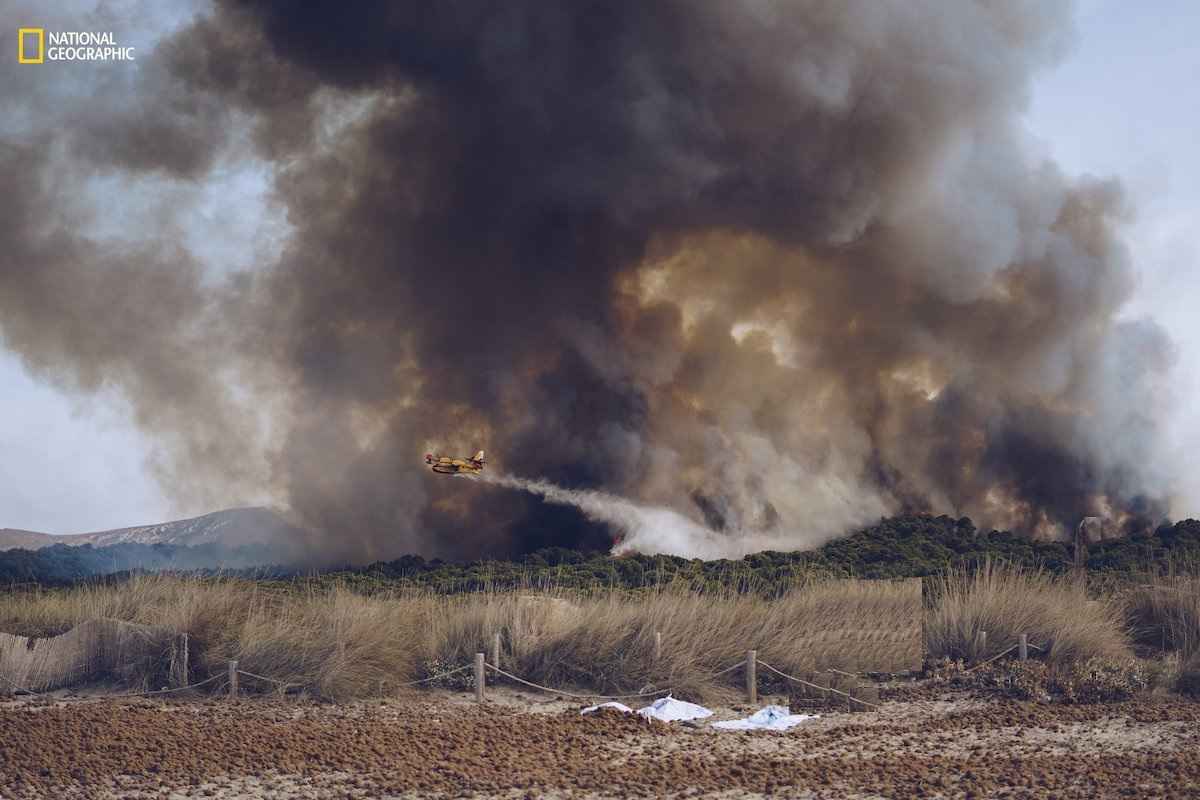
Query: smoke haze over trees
column 782, row 268
column 900, row 547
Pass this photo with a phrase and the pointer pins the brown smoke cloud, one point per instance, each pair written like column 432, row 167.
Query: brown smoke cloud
column 782, row 267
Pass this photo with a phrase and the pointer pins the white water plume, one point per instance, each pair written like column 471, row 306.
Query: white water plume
column 639, row 528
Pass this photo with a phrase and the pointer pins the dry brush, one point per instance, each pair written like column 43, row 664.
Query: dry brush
column 336, row 643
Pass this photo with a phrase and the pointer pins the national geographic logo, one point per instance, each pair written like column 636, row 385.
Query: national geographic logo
column 38, row 37
column 36, row 46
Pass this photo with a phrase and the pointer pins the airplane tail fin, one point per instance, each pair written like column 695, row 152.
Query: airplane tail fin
column 478, row 457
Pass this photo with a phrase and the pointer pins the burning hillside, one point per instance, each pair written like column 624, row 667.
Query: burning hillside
column 781, row 268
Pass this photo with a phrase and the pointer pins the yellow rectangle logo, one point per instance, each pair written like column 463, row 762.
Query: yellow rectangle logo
column 40, row 57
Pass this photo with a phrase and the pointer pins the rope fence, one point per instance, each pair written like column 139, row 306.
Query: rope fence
column 743, row 665
column 169, row 690
column 17, row 686
column 1022, row 647
column 433, row 678
column 843, row 672
column 283, row 685
column 565, row 693
column 1001, row 654
column 234, row 669
column 738, row 665
column 481, row 665
column 803, row 682
column 120, row 695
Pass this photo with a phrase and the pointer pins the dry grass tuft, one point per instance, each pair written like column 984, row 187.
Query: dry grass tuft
column 1007, row 601
column 853, row 625
column 1165, row 613
column 338, row 644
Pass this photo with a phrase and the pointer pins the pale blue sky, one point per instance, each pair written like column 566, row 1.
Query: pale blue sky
column 1124, row 102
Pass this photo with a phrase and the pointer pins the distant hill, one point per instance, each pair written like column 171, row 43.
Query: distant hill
column 11, row 538
column 232, row 528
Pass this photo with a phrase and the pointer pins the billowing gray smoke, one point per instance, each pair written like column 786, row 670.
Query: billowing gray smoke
column 781, row 267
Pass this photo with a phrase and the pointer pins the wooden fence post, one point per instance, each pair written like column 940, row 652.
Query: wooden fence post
column 233, row 680
column 479, row 677
column 496, row 650
column 182, row 677
column 657, row 646
column 752, row 676
column 1023, row 647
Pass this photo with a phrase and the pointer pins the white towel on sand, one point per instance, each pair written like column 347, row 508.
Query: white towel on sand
column 771, row 718
column 624, row 709
column 668, row 709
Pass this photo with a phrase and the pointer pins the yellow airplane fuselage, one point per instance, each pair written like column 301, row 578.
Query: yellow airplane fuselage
column 453, row 466
column 447, row 465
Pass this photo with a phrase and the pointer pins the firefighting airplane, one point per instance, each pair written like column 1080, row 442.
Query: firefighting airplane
column 455, row 466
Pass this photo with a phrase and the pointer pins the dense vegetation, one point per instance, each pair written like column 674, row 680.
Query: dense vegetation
column 899, row 547
column 63, row 564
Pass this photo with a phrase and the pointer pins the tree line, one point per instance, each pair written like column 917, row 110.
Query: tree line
column 898, row 547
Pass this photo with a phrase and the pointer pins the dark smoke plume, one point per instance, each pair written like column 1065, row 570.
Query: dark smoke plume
column 782, row 267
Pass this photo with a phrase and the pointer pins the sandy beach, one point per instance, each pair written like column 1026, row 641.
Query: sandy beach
column 440, row 744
